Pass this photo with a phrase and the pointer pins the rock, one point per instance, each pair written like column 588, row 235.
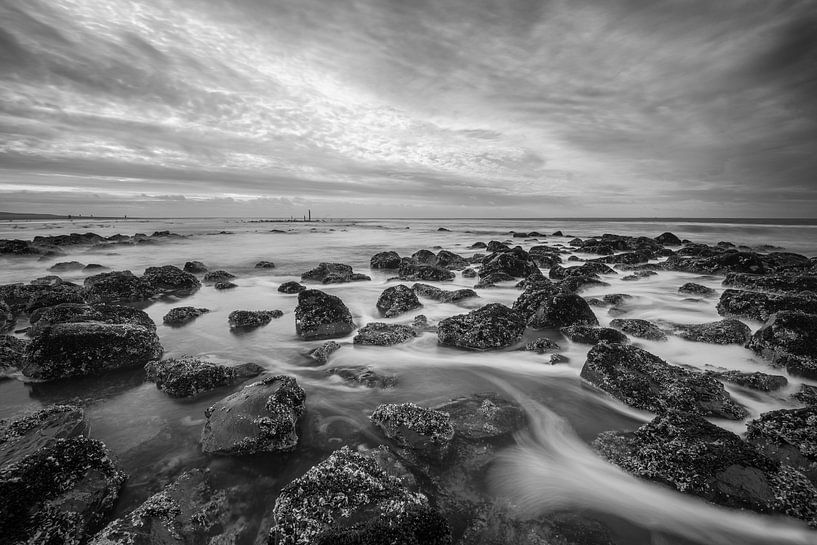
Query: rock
column 727, row 331
column 478, row 245
column 322, row 353
column 807, row 394
column 696, row 457
column 62, row 293
column 515, row 263
column 755, row 381
column 420, row 324
column 12, row 350
column 547, row 308
column 170, row 280
column 558, row 358
column 93, row 267
column 396, row 300
column 181, row 315
column 639, row 328
column 469, row 273
column 444, row 296
column 364, row 375
column 668, row 239
column 692, row 288
column 572, row 284
column 291, row 287
column 787, row 339
column 116, row 286
column 355, row 498
column 247, row 319
column 541, row 345
column 413, row 270
column 385, row 260
column 492, row 279
column 482, row 416
column 320, row 315
column 382, row 334
column 496, row 524
column 616, row 298
column 427, row 432
column 261, row 417
column 773, row 283
column 65, row 266
column 188, row 510
column 225, row 285
column 333, row 273
column 760, row 306
column 557, row 234
column 56, row 486
column 195, row 267
column 7, row 320
column 491, row 327
column 88, row 348
column 265, row 265
column 451, row 261
column 788, row 436
column 187, row 376
column 645, row 381
column 495, row 246
column 717, row 262
column 76, row 313
column 214, row 277
column 585, row 334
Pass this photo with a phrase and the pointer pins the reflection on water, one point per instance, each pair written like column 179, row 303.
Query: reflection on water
column 156, row 437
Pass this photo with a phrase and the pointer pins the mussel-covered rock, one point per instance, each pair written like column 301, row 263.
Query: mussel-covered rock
column 686, row 452
column 89, row 348
column 788, row 340
column 385, row 260
column 585, row 334
column 488, row 328
column 320, row 315
column 444, row 296
column 396, row 300
column 645, row 381
column 248, row 319
column 541, row 345
column 291, row 287
column 760, row 306
column 547, row 307
column 61, row 293
column 788, row 436
column 427, row 432
column 170, row 280
column 728, row 331
column 382, row 334
column 643, row 329
column 261, row 417
column 225, row 285
column 187, row 376
column 116, row 286
column 516, row 263
column 181, row 315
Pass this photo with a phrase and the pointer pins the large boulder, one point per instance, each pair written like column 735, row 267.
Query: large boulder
column 547, row 307
column 332, row 273
column 382, row 334
column 760, row 306
column 170, row 280
column 396, row 300
column 426, row 432
column 686, row 452
column 788, row 340
column 187, row 376
column 180, row 316
column 89, row 348
column 444, row 296
column 385, row 260
column 718, row 262
column 643, row 329
column 116, row 286
column 491, row 327
column 645, row 381
column 353, row 497
column 320, row 315
column 728, row 331
column 261, row 417
column 788, row 436
column 49, row 296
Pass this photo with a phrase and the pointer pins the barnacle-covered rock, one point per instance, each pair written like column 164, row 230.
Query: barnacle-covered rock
column 320, row 315
column 427, row 432
column 182, row 315
column 728, row 331
column 788, row 436
column 382, row 334
column 187, row 376
column 585, row 334
column 639, row 328
column 396, row 300
column 488, row 328
column 249, row 319
column 788, row 340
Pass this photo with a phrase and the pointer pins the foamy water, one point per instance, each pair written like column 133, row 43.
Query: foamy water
column 156, row 437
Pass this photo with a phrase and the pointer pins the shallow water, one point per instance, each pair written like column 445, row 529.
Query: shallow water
column 156, row 437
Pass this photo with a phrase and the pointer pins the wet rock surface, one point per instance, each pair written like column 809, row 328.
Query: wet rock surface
column 787, row 340
column 195, row 267
column 762, row 382
column 385, row 260
column 261, row 417
column 364, row 375
column 541, row 345
column 788, row 436
column 692, row 288
column 547, row 307
column 214, row 277
column 170, row 280
column 491, row 327
column 728, row 331
column 397, row 300
column 265, row 265
column 291, row 287
column 760, row 306
column 642, row 329
column 116, row 286
column 382, row 334
column 12, row 350
column 427, row 432
column 333, row 273
column 645, row 381
column 773, row 283
column 686, row 452
column 250, row 319
column 412, row 269
column 320, row 315
column 76, row 313
column 188, row 376
column 322, row 353
column 182, row 315
column 586, row 334
column 441, row 295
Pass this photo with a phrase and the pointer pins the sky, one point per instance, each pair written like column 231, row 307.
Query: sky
column 409, row 108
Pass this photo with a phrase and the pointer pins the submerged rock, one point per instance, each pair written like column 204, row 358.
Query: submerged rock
column 550, row 308
column 639, row 328
column 356, row 498
column 756, row 380
column 645, row 381
column 364, row 375
column 385, row 260
column 396, row 300
column 788, row 436
column 444, row 296
column 491, row 327
column 322, row 353
column 696, row 457
column 586, row 334
column 692, row 288
column 788, row 340
column 320, row 315
column 291, row 287
column 89, row 348
column 496, row 524
column 261, row 417
column 382, row 334
column 28, row 433
column 728, row 331
column 760, row 306
column 248, row 319
column 427, row 432
column 181, row 315
column 187, row 376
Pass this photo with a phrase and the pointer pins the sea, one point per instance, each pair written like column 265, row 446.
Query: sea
column 551, row 469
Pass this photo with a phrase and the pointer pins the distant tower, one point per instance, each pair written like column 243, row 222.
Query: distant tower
column 310, row 214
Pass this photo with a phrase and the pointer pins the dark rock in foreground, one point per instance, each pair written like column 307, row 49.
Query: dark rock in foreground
column 320, row 315
column 491, row 327
column 356, row 498
column 788, row 340
column 728, row 331
column 187, row 376
column 807, row 394
column 586, row 334
column 6, row 317
column 427, row 432
column 396, row 300
column 645, row 381
column 261, row 417
column 291, row 287
column 26, row 434
column 639, row 328
column 756, row 381
column 248, row 319
column 692, row 288
column 364, row 375
column 444, row 296
column 89, row 348
column 382, row 334
column 182, row 315
column 686, row 452
column 760, row 306
column 788, row 436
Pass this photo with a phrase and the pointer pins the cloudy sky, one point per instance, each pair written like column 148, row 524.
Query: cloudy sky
column 378, row 108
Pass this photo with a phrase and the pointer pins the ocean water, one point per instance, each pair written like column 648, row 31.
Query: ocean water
column 552, row 467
